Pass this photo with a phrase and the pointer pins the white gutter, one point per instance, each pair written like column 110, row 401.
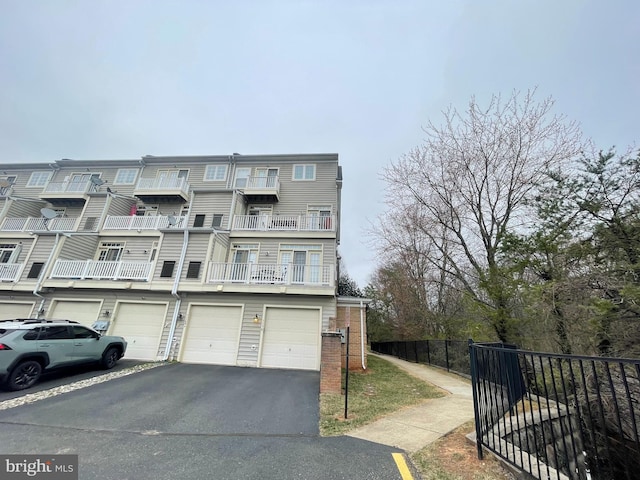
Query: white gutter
column 362, row 333
column 176, row 283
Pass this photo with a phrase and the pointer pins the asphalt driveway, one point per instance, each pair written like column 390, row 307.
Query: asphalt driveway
column 194, row 399
column 192, row 422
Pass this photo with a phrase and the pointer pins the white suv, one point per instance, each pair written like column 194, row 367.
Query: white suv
column 29, row 346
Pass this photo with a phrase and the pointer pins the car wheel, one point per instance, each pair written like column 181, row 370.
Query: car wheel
column 24, row 375
column 110, row 357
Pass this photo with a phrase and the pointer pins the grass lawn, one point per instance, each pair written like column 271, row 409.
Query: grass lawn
column 382, row 389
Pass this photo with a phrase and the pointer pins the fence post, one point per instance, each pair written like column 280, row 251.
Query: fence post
column 474, row 383
column 415, row 349
column 446, row 353
column 428, row 354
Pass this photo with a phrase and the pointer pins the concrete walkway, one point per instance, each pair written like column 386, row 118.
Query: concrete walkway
column 413, row 428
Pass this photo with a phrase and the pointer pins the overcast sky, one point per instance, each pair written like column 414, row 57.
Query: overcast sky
column 113, row 79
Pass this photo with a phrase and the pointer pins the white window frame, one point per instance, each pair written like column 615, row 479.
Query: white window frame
column 106, row 247
column 304, row 169
column 10, row 249
column 126, row 176
column 38, row 179
column 243, row 170
column 215, row 173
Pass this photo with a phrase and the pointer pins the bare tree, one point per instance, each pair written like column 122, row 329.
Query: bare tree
column 467, row 185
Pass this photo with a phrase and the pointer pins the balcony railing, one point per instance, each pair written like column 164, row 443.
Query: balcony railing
column 33, row 224
column 294, row 223
column 10, row 272
column 160, row 184
column 92, row 269
column 275, row 274
column 262, row 183
column 135, row 222
column 68, row 187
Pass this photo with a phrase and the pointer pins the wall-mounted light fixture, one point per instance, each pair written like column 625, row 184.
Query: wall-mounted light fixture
column 180, row 316
column 256, row 319
column 127, row 251
column 106, row 313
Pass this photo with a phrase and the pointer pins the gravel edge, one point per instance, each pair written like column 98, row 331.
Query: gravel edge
column 53, row 392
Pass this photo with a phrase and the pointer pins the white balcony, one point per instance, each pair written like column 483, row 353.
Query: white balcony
column 95, row 270
column 10, row 272
column 68, row 193
column 262, row 189
column 290, row 223
column 135, row 222
column 154, row 190
column 274, row 274
column 33, row 224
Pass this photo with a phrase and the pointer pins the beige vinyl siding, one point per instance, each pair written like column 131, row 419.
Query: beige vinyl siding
column 196, row 252
column 94, row 208
column 41, row 250
column 22, row 209
column 78, row 248
column 295, row 196
column 209, row 204
column 220, row 249
column 170, row 249
column 121, row 206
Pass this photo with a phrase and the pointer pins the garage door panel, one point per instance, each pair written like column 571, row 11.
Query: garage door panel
column 212, row 335
column 15, row 310
column 141, row 325
column 82, row 312
column 291, row 339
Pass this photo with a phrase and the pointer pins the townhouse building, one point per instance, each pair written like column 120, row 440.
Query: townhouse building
column 227, row 260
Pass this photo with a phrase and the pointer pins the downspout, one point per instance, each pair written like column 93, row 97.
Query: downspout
column 362, row 334
column 176, row 283
column 36, row 290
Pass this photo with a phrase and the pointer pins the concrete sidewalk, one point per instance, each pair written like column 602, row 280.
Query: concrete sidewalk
column 413, row 428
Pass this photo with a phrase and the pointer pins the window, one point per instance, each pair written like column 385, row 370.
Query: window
column 6, row 183
column 243, row 257
column 38, row 179
column 32, row 334
column 193, row 270
column 199, row 220
column 304, row 261
column 215, row 173
column 319, row 217
column 242, row 177
column 110, row 251
column 267, row 177
column 82, row 332
column 55, row 333
column 35, row 270
column 217, row 220
column 304, row 172
column 7, row 252
column 126, row 176
column 167, row 269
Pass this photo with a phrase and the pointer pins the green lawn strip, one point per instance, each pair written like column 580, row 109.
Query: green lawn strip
column 382, row 389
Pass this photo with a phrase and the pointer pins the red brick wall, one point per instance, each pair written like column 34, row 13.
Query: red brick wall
column 351, row 315
column 330, row 365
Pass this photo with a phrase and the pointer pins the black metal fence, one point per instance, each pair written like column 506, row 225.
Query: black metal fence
column 450, row 354
column 558, row 416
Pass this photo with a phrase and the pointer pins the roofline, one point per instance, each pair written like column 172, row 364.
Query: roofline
column 152, row 159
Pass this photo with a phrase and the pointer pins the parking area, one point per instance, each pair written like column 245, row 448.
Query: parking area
column 64, row 376
column 195, row 421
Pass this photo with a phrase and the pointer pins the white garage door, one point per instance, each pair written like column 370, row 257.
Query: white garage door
column 141, row 326
column 83, row 312
column 291, row 339
column 212, row 335
column 10, row 310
